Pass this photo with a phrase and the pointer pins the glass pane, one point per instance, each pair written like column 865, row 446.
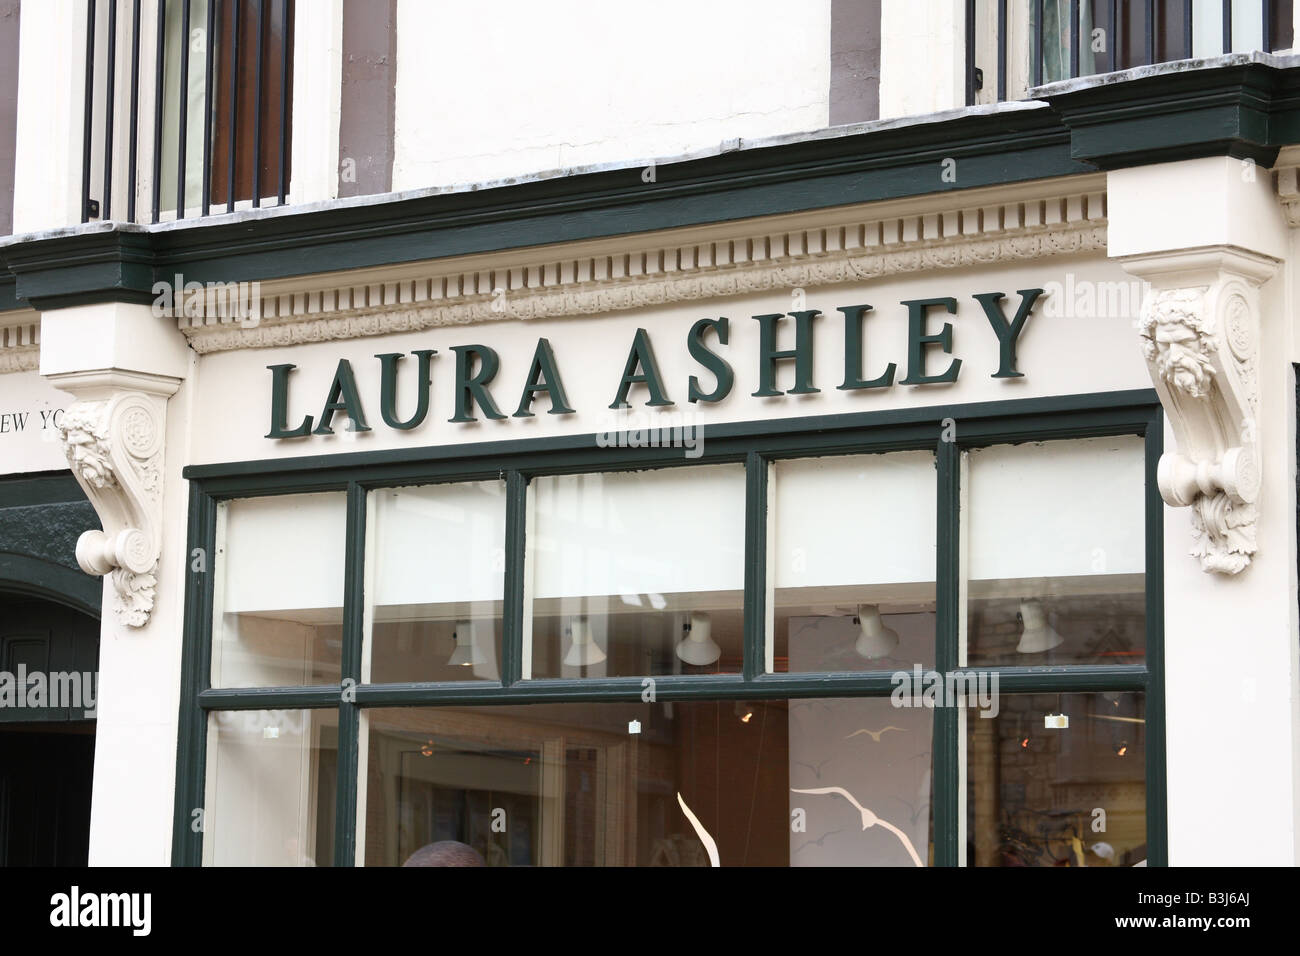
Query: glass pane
column 1057, row 39
column 270, row 789
column 1054, row 535
column 637, row 572
column 853, row 562
column 194, row 87
column 1057, row 780
column 435, row 581
column 1247, row 26
column 278, row 598
column 657, row 784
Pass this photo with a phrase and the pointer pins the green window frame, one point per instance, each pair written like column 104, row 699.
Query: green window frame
column 756, row 445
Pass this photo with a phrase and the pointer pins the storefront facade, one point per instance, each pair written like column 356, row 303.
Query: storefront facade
column 920, row 492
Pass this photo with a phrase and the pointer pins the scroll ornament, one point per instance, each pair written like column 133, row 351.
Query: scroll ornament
column 115, row 449
column 1200, row 347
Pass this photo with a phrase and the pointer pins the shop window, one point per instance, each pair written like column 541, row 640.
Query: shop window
column 1055, row 550
column 278, row 608
column 569, row 785
column 270, row 788
column 917, row 650
column 638, row 573
column 435, row 582
column 1057, row 780
column 853, row 580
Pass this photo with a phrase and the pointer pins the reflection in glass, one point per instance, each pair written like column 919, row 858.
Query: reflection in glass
column 278, row 593
column 270, row 789
column 637, row 573
column 1057, row 780
column 435, row 573
column 1053, row 534
column 853, row 562
column 757, row 783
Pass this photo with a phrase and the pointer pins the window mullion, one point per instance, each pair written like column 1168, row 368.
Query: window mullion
column 947, row 725
column 514, row 599
column 1156, row 781
column 350, row 670
column 756, row 583
column 196, row 676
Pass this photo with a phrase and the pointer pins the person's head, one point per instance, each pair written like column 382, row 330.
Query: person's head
column 446, row 853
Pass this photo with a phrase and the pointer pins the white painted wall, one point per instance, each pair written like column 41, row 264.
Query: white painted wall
column 1233, row 704
column 29, row 436
column 139, row 668
column 506, row 88
column 139, row 691
column 922, row 57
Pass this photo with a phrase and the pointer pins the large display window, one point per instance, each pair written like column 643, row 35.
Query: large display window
column 915, row 639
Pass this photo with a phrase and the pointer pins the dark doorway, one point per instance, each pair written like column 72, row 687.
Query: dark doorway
column 47, row 740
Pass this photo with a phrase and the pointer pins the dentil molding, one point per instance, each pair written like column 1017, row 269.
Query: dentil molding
column 113, row 438
column 20, row 342
column 1200, row 330
column 556, row 284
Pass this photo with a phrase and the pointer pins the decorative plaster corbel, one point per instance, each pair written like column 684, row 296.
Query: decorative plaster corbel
column 1288, row 193
column 1200, row 332
column 113, row 439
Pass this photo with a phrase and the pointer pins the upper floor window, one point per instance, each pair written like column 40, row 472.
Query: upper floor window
column 188, row 107
column 9, row 18
column 1014, row 45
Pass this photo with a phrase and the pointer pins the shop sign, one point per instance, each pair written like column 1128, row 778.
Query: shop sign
column 477, row 391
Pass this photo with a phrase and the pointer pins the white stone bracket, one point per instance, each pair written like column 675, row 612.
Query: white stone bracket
column 113, row 436
column 1200, row 332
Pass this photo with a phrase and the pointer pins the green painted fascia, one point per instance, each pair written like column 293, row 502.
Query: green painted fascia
column 1011, row 145
column 1246, row 111
column 990, row 148
column 9, row 300
column 103, row 266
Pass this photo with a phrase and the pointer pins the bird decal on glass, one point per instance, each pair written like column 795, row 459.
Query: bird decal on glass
column 815, row 768
column 710, row 845
column 869, row 819
column 875, row 734
column 817, row 842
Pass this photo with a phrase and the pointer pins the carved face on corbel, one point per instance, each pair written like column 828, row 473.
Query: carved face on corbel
column 85, row 442
column 1175, row 339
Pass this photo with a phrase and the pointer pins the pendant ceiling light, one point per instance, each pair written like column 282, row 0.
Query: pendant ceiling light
column 876, row 640
column 698, row 646
column 466, row 653
column 1037, row 636
column 583, row 651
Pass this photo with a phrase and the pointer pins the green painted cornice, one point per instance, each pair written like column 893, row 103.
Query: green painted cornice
column 1244, row 105
column 107, row 263
column 1248, row 108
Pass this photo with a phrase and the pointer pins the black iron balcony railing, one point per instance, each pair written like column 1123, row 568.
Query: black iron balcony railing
column 1026, row 43
column 215, row 132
